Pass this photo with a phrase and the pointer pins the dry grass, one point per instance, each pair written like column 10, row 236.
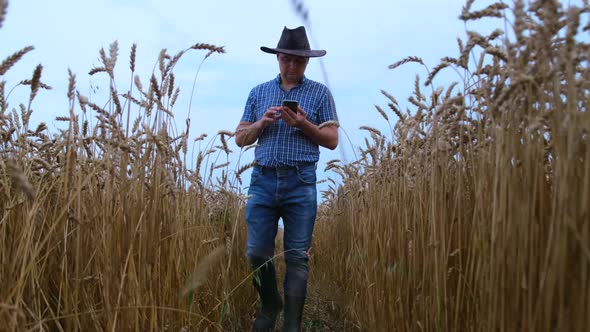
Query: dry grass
column 103, row 223
column 475, row 214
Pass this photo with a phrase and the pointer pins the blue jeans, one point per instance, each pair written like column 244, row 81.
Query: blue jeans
column 288, row 193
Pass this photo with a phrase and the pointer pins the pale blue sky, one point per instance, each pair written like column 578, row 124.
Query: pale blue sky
column 361, row 37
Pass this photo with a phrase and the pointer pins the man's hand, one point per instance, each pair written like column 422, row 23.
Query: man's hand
column 270, row 116
column 291, row 118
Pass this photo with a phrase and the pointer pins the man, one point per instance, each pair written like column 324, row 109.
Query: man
column 283, row 183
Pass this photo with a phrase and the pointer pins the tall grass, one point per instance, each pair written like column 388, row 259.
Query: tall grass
column 474, row 213
column 103, row 225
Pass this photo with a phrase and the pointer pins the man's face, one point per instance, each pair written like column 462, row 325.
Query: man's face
column 292, row 67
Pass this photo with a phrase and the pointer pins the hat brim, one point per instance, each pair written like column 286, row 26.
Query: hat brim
column 303, row 53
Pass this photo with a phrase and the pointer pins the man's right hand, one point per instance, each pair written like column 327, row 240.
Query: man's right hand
column 270, row 116
column 247, row 132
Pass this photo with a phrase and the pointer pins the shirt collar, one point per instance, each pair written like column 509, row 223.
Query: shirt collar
column 302, row 82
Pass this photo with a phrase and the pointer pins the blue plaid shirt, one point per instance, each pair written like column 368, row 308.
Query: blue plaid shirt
column 280, row 144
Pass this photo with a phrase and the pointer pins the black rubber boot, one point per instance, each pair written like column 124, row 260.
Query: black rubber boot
column 266, row 284
column 293, row 313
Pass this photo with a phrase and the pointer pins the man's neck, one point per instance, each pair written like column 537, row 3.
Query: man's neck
column 288, row 85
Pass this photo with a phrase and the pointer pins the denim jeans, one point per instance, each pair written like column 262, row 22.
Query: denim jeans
column 288, row 193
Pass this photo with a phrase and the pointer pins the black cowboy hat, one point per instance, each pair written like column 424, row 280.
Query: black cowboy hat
column 294, row 42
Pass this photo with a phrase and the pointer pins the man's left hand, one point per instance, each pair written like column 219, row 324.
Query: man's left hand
column 293, row 119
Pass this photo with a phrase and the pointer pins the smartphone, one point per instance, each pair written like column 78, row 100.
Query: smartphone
column 292, row 104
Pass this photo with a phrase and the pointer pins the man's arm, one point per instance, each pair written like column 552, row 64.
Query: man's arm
column 326, row 136
column 247, row 132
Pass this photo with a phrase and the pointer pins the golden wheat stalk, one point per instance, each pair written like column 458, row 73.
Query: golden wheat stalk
column 225, row 132
column 13, row 59
column 372, row 130
column 138, row 85
column 201, row 137
column 71, row 85
column 493, row 10
column 3, row 104
column 245, row 167
column 224, row 145
column 435, row 71
column 201, row 272
column 406, row 60
column 40, row 84
column 251, row 146
column 171, row 79
column 112, row 60
column 19, row 180
column 329, row 123
column 382, row 112
column 221, row 165
column 174, row 97
column 211, row 48
column 96, row 70
column 132, row 56
column 3, row 7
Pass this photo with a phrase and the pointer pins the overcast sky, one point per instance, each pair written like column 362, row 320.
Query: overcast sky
column 362, row 38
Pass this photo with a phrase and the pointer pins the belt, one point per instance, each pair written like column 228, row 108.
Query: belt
column 299, row 165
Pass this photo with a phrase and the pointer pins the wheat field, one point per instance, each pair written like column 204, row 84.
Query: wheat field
column 471, row 214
